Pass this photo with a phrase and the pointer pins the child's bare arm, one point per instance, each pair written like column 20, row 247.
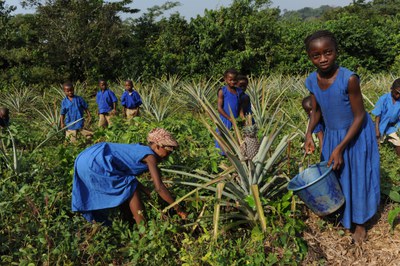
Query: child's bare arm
column 114, row 110
column 159, row 185
column 377, row 132
column 315, row 117
column 89, row 116
column 62, row 119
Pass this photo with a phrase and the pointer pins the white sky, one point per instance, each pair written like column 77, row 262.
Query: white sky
column 192, row 8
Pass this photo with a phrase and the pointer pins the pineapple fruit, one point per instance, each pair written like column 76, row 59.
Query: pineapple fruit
column 250, row 145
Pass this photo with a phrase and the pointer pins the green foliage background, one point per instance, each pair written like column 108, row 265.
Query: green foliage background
column 85, row 40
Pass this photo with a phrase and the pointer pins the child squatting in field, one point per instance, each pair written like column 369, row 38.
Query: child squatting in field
column 130, row 101
column 107, row 104
column 387, row 112
column 105, row 176
column 72, row 109
column 349, row 140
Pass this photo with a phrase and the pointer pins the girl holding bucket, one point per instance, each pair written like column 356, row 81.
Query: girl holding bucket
column 349, row 139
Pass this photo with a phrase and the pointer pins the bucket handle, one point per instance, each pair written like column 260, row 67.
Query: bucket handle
column 319, row 169
column 301, row 165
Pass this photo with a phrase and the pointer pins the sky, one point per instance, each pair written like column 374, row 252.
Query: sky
column 192, row 8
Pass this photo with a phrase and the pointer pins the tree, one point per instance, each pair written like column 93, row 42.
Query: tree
column 82, row 39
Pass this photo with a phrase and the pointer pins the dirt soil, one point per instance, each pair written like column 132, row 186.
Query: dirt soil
column 331, row 244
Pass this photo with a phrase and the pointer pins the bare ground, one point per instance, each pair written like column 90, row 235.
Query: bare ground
column 331, row 244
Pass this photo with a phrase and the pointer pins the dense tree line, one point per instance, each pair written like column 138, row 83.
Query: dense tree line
column 88, row 39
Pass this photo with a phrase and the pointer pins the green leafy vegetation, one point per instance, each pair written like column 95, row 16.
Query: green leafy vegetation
column 239, row 209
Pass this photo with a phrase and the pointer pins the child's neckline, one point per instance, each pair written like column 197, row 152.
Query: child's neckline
column 335, row 76
column 234, row 90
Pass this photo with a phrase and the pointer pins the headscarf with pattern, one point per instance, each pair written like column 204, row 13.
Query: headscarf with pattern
column 162, row 138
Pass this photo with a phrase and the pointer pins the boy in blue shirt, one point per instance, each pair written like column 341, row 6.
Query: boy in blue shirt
column 130, row 101
column 72, row 109
column 387, row 112
column 107, row 104
column 243, row 82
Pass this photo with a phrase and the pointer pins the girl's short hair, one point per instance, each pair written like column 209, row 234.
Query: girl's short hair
column 231, row 71
column 320, row 34
column 396, row 84
column 242, row 77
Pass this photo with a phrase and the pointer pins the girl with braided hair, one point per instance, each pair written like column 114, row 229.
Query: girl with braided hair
column 105, row 176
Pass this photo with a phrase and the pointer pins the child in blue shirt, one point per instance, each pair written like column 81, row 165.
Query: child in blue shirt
column 242, row 83
column 72, row 109
column 387, row 112
column 130, row 101
column 107, row 104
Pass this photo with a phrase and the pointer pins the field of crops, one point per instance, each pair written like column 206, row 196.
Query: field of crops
column 240, row 212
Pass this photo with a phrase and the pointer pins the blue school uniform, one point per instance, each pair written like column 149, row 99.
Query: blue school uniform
column 389, row 113
column 131, row 100
column 105, row 100
column 105, row 177
column 359, row 176
column 73, row 111
column 319, row 127
column 247, row 109
column 231, row 102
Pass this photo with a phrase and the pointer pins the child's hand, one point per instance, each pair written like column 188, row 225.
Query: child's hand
column 337, row 158
column 309, row 145
column 113, row 112
column 62, row 125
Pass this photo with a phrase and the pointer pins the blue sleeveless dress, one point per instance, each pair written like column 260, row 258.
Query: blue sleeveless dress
column 359, row 176
column 231, row 102
column 105, row 177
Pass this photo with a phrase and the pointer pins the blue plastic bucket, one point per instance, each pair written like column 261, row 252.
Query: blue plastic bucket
column 319, row 188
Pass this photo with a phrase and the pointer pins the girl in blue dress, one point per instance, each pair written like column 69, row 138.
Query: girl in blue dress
column 229, row 100
column 105, row 176
column 387, row 115
column 349, row 139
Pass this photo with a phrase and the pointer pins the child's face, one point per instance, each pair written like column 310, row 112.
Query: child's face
column 322, row 53
column 396, row 93
column 69, row 91
column 230, row 80
column 103, row 85
column 242, row 84
column 128, row 86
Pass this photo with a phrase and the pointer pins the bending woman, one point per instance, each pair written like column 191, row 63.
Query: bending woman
column 105, row 176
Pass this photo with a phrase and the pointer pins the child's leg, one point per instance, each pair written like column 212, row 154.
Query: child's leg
column 102, row 121
column 86, row 133
column 360, row 233
column 71, row 135
column 108, row 119
column 395, row 140
column 136, row 206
